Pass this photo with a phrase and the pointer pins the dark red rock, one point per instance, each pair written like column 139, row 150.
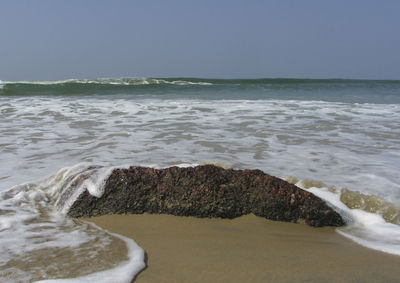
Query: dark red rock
column 205, row 191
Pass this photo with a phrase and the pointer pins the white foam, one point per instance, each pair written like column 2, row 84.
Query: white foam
column 86, row 176
column 186, row 165
column 365, row 228
column 276, row 136
column 40, row 82
column 123, row 272
column 355, row 146
column 32, row 221
column 109, row 81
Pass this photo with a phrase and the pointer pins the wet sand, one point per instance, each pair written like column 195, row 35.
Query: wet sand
column 248, row 249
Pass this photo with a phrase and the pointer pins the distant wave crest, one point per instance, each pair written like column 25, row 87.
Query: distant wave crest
column 225, row 88
column 111, row 81
column 94, row 86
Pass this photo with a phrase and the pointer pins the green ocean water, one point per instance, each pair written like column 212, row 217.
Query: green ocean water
column 333, row 90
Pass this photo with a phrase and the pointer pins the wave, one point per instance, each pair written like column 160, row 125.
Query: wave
column 130, row 85
column 92, row 86
column 33, row 223
column 34, row 230
column 189, row 81
column 355, row 200
column 371, row 221
column 112, row 81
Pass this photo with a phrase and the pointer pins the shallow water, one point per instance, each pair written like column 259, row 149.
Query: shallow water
column 334, row 133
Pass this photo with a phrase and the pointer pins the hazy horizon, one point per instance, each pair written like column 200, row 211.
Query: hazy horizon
column 58, row 40
column 201, row 78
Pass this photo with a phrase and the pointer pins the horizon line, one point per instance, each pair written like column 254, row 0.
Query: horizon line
column 193, row 77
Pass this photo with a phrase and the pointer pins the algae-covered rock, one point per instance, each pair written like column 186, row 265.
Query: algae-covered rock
column 205, row 191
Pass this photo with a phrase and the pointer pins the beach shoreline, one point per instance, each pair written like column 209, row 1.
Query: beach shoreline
column 247, row 249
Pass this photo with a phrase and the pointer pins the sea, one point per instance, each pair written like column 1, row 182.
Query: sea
column 337, row 138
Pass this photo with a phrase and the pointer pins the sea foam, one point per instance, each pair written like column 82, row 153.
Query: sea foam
column 348, row 145
column 366, row 228
column 110, row 81
column 124, row 272
column 33, row 225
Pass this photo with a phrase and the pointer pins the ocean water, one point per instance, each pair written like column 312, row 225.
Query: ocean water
column 339, row 139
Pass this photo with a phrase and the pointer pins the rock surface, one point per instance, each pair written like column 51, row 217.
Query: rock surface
column 205, row 191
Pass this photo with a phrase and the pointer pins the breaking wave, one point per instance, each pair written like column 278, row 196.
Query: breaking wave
column 40, row 243
column 329, row 89
column 92, row 86
column 371, row 221
column 111, row 81
column 34, row 226
column 355, row 200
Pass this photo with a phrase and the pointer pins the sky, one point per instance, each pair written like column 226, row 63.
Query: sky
column 55, row 39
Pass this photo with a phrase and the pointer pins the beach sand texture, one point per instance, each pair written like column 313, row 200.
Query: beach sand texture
column 247, row 249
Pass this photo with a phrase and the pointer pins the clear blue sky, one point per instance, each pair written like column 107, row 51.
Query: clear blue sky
column 51, row 39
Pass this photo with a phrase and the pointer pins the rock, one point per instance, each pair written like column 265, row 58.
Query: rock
column 205, row 191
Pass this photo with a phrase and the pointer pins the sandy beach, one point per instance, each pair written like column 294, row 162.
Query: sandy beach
column 247, row 249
